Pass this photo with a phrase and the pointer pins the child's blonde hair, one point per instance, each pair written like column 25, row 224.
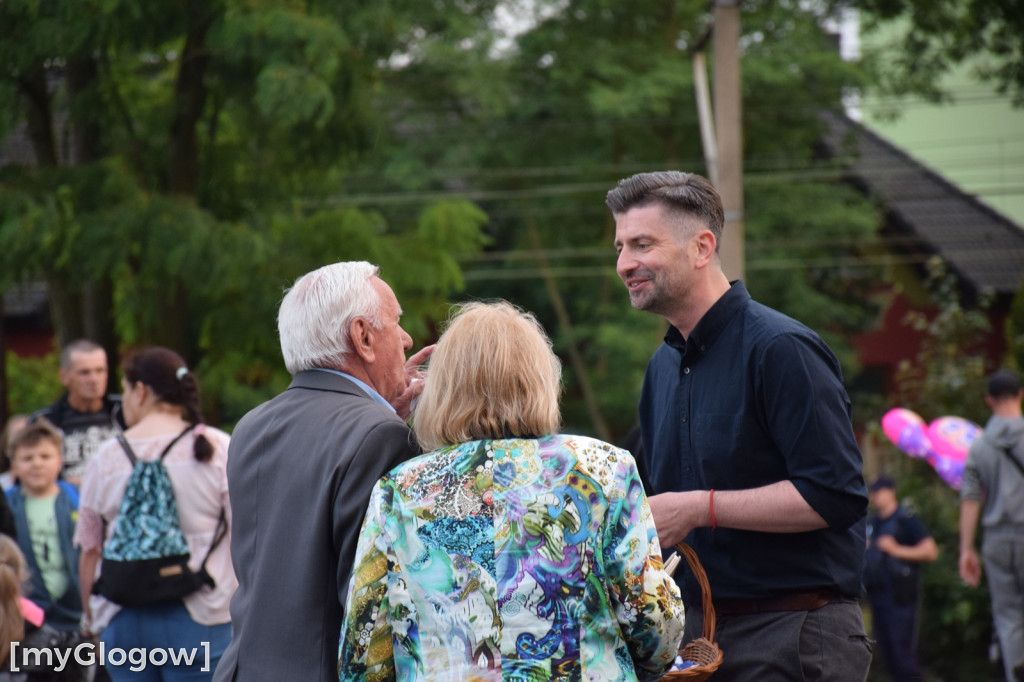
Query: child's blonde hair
column 35, row 431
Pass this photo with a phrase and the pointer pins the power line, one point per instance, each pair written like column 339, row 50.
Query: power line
column 753, row 264
column 570, row 189
column 995, row 166
column 584, row 252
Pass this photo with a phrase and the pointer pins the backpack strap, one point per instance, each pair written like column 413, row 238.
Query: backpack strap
column 131, row 454
column 1008, row 451
column 218, row 535
column 127, row 448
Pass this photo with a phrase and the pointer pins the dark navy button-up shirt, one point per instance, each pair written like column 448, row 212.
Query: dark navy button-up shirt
column 752, row 398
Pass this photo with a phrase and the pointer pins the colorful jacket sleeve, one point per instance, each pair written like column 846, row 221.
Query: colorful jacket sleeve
column 650, row 609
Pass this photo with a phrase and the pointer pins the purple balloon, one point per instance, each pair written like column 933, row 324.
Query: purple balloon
column 949, row 470
column 951, row 437
column 908, row 432
column 943, row 444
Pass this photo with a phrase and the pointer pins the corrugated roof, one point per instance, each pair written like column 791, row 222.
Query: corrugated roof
column 982, row 246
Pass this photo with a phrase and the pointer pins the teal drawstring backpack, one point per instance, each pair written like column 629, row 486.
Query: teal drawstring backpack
column 145, row 561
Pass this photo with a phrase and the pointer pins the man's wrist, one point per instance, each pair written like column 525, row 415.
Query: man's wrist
column 713, row 522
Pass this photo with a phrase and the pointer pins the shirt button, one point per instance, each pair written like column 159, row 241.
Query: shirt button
column 685, row 417
column 686, row 370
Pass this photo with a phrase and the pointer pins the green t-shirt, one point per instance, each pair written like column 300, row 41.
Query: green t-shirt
column 41, row 514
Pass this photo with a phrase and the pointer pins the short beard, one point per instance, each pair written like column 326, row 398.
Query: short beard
column 650, row 302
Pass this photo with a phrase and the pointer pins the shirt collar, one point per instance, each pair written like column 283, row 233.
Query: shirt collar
column 376, row 397
column 710, row 326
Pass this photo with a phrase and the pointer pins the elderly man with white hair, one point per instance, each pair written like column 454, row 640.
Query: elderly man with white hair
column 301, row 467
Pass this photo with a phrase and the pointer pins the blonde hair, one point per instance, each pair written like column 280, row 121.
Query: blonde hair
column 493, row 375
column 33, row 433
column 13, row 573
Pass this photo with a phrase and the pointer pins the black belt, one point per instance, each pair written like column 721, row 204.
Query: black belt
column 795, row 601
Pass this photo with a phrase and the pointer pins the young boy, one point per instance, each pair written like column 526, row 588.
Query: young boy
column 45, row 515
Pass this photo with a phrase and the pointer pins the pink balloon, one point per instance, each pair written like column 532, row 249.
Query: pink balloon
column 949, row 470
column 951, row 437
column 908, row 432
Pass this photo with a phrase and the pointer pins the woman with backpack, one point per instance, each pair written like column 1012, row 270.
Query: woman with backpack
column 154, row 529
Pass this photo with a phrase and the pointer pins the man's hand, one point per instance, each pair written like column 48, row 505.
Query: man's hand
column 970, row 567
column 676, row 514
column 414, row 381
column 887, row 544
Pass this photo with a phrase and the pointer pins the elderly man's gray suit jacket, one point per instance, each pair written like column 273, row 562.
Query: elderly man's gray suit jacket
column 300, row 471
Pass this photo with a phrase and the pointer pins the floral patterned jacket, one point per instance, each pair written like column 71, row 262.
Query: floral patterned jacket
column 511, row 560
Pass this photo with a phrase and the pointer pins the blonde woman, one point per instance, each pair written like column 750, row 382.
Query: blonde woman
column 507, row 551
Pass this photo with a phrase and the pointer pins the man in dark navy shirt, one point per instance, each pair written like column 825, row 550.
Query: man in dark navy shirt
column 748, row 445
column 898, row 543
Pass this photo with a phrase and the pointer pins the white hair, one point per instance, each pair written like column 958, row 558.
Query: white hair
column 316, row 312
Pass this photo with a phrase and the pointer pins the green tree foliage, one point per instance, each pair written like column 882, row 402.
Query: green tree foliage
column 538, row 130
column 207, row 144
column 946, row 378
column 939, row 34
column 33, row 382
column 238, row 143
column 948, row 375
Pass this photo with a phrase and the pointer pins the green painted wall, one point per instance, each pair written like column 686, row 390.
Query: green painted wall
column 975, row 142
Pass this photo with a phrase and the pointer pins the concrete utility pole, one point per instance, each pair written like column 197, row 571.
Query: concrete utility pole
column 729, row 131
column 704, row 115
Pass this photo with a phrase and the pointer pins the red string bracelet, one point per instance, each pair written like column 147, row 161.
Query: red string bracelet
column 711, row 504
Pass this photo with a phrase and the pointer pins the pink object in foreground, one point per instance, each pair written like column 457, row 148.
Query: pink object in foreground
column 951, row 439
column 944, row 443
column 31, row 612
column 908, row 432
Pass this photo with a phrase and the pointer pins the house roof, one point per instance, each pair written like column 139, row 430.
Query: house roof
column 982, row 246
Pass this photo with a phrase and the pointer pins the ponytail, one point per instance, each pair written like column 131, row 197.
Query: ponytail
column 202, row 448
column 166, row 374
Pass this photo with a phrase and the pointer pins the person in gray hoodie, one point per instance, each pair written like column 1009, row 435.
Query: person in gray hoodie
column 993, row 490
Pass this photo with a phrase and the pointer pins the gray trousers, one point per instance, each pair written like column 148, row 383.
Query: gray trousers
column 827, row 645
column 1003, row 554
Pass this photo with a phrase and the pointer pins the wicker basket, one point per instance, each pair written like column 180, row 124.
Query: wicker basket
column 703, row 650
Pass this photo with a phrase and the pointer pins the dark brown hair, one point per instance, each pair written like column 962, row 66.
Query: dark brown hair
column 1003, row 384
column 683, row 195
column 164, row 372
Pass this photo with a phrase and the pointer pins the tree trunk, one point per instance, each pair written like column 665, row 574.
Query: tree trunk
column 97, row 295
column 86, row 138
column 190, row 97
column 39, row 117
column 65, row 310
column 98, row 324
